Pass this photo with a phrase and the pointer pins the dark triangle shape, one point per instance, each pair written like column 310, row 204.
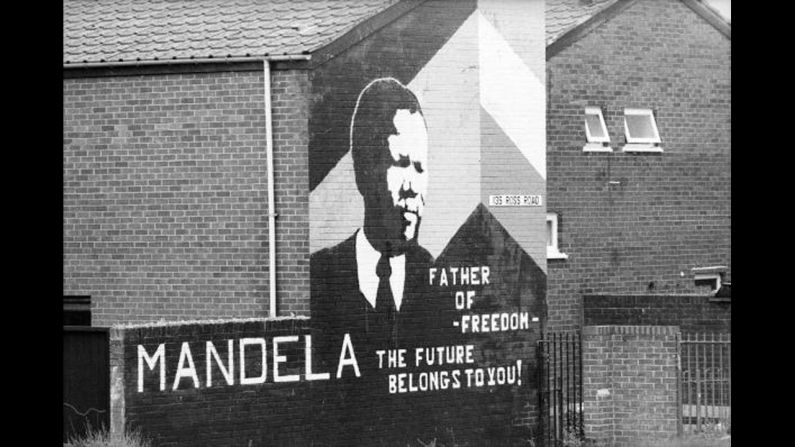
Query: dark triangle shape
column 518, row 281
column 516, row 284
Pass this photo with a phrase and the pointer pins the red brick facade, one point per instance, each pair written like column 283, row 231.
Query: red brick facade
column 630, row 383
column 165, row 195
column 634, row 223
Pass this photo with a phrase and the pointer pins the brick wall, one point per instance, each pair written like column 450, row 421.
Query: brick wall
column 214, row 413
column 668, row 212
column 630, row 383
column 692, row 313
column 165, row 195
column 219, row 408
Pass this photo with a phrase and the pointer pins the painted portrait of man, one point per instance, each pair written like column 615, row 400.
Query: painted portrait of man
column 373, row 286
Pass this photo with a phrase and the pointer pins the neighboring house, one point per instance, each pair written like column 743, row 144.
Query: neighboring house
column 638, row 151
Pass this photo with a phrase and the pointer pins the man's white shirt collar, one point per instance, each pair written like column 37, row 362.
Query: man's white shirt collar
column 366, row 260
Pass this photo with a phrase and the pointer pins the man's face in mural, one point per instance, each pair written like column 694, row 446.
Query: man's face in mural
column 389, row 145
column 406, row 176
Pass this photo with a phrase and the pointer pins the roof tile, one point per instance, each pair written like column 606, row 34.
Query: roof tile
column 97, row 30
column 128, row 30
column 563, row 15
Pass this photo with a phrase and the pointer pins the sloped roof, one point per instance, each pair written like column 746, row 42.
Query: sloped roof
column 564, row 15
column 97, row 31
column 111, row 31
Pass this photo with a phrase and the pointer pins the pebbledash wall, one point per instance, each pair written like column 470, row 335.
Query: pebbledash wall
column 165, row 194
column 637, row 223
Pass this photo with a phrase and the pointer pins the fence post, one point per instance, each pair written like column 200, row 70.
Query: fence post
column 540, row 386
column 116, row 381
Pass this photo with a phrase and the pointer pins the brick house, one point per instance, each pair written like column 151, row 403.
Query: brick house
column 165, row 167
column 165, row 177
column 635, row 216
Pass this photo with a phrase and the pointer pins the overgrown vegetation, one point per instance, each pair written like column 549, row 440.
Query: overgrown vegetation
column 102, row 438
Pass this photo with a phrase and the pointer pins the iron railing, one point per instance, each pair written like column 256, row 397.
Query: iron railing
column 706, row 381
column 559, row 388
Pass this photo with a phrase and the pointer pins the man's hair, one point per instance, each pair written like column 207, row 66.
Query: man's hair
column 372, row 124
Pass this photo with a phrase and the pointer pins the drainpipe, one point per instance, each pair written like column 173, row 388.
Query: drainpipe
column 266, row 69
column 268, row 137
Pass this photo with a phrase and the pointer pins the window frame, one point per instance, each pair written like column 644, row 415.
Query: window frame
column 655, row 140
column 590, row 138
column 553, row 250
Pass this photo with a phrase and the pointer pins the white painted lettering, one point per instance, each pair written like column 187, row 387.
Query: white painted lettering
column 277, row 359
column 228, row 372
column 244, row 380
column 308, row 360
column 347, row 357
column 151, row 362
column 182, row 371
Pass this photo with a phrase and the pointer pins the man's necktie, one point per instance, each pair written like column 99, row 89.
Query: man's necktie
column 385, row 301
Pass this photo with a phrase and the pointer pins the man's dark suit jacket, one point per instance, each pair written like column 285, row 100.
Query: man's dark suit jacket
column 363, row 407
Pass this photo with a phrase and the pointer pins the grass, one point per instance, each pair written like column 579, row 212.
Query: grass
column 101, row 438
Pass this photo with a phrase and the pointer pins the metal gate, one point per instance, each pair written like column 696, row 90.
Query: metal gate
column 706, row 382
column 559, row 388
column 86, row 380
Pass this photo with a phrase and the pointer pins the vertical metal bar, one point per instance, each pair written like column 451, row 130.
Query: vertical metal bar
column 553, row 369
column 720, row 378
column 580, row 381
column 545, row 408
column 556, row 379
column 678, row 384
column 541, row 390
column 689, row 346
column 546, row 391
column 698, row 384
column 550, row 387
column 706, row 376
column 708, row 379
column 566, row 375
column 540, row 386
column 573, row 382
column 573, row 410
column 559, row 410
column 729, row 358
column 713, row 400
column 559, row 376
column 573, row 391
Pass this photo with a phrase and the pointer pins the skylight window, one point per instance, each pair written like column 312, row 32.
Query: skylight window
column 640, row 127
column 595, row 129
